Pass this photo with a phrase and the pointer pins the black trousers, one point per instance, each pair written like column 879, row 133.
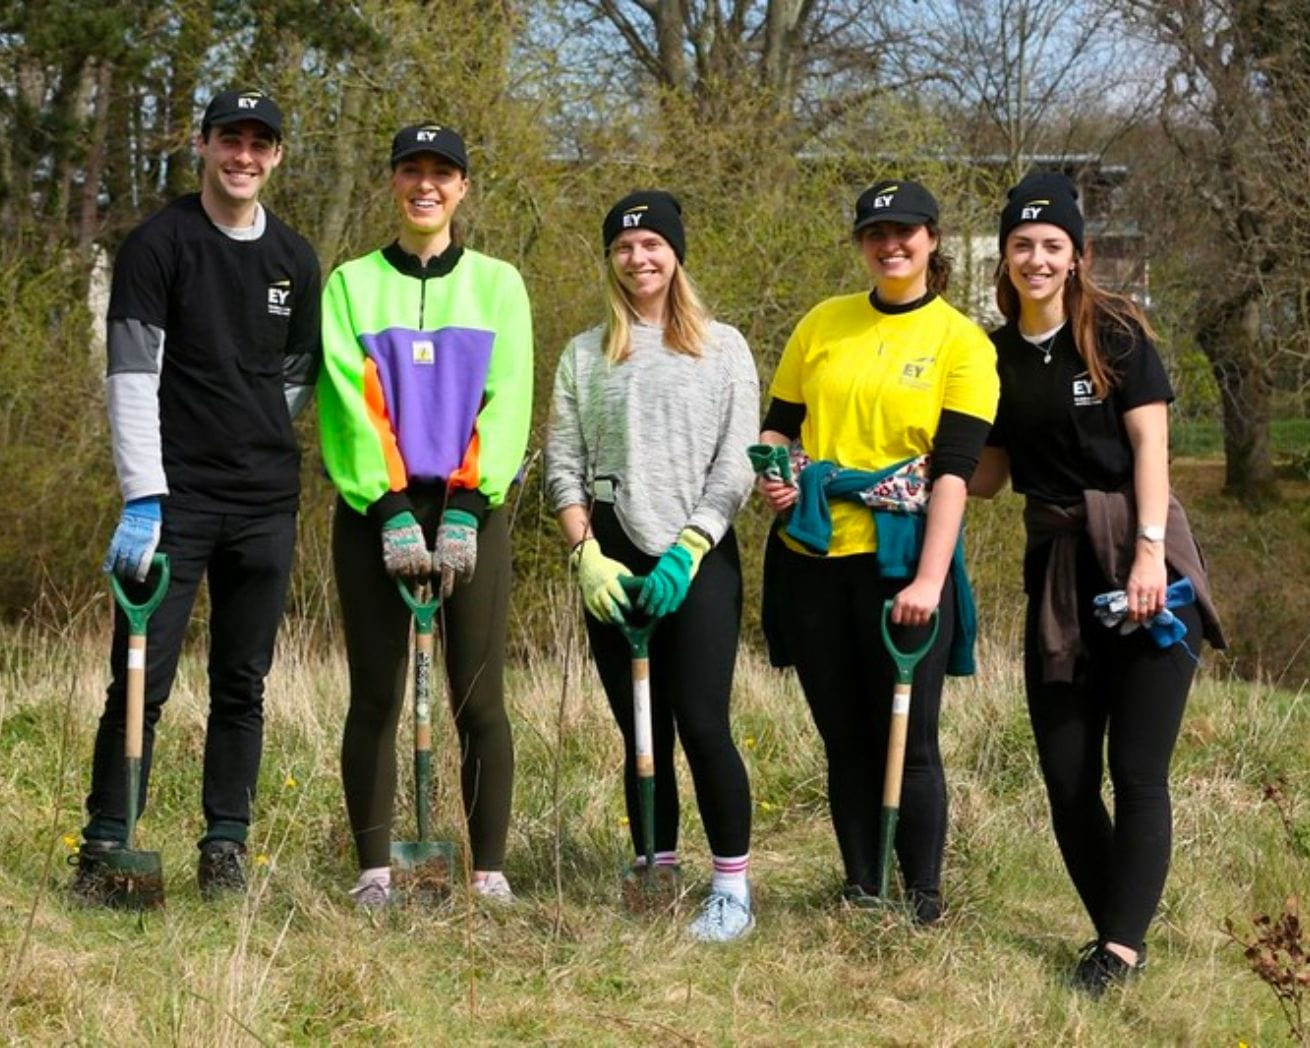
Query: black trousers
column 831, row 610
column 693, row 654
column 247, row 561
column 472, row 623
column 1127, row 701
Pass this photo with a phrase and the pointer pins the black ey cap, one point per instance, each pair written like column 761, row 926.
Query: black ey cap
column 652, row 209
column 429, row 138
column 895, row 200
column 231, row 107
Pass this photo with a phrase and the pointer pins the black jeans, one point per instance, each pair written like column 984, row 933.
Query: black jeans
column 692, row 657
column 1127, row 699
column 832, row 614
column 247, row 560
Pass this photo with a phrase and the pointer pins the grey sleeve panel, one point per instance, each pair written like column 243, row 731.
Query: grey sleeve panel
column 299, row 373
column 134, row 345
column 298, row 398
column 136, row 357
column 133, row 398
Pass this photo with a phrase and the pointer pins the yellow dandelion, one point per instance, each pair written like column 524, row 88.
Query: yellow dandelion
column 623, row 821
column 765, row 806
column 261, row 859
column 71, row 842
column 291, row 783
column 749, row 742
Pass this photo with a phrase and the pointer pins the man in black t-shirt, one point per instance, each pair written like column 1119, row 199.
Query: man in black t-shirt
column 213, row 342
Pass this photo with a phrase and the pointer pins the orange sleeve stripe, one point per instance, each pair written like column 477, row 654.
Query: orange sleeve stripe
column 376, row 405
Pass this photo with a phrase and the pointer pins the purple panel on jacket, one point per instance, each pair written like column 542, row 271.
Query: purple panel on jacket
column 433, row 383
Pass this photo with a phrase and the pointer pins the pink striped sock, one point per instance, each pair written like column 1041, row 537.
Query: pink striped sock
column 730, row 877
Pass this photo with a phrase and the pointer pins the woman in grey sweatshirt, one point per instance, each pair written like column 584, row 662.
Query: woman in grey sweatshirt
column 646, row 468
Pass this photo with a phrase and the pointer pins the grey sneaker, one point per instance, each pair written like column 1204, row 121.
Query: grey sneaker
column 495, row 887
column 222, row 868
column 371, row 895
column 723, row 918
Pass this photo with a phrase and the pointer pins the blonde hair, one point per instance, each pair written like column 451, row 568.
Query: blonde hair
column 686, row 318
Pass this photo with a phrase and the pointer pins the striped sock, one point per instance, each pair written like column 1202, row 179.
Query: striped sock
column 665, row 858
column 730, row 877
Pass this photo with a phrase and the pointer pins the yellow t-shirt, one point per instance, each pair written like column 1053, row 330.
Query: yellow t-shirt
column 874, row 385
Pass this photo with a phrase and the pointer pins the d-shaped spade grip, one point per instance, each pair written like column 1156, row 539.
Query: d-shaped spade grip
column 905, row 663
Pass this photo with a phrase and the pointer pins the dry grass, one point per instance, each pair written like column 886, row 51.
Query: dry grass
column 293, row 963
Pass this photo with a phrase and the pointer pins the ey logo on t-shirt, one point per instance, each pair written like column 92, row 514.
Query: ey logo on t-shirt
column 1084, row 393
column 422, row 351
column 914, row 372
column 279, row 294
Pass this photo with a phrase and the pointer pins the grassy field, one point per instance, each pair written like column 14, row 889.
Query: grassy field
column 294, row 963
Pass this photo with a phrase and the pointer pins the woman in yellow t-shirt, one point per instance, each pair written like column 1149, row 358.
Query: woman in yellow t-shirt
column 895, row 377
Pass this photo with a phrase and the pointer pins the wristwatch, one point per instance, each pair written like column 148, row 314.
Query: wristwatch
column 1151, row 532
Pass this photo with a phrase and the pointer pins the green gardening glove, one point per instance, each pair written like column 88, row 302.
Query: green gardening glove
column 598, row 578
column 456, row 553
column 667, row 584
column 771, row 461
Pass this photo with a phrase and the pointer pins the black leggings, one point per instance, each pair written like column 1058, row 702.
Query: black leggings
column 692, row 657
column 1129, row 693
column 831, row 610
column 472, row 623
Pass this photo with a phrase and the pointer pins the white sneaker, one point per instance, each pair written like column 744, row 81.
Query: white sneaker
column 723, row 918
column 495, row 887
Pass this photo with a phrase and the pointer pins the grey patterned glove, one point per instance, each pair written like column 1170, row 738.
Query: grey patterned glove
column 404, row 550
column 456, row 554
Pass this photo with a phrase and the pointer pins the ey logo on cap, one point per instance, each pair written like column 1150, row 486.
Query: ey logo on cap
column 427, row 134
column 279, row 293
column 1033, row 209
column 885, row 198
column 632, row 217
column 250, row 100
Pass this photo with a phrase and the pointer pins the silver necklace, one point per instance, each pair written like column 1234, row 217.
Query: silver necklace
column 1045, row 346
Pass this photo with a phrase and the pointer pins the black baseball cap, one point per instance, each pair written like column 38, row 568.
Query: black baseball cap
column 895, row 200
column 231, row 107
column 429, row 138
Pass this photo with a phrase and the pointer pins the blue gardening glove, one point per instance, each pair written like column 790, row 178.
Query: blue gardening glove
column 135, row 539
column 404, row 550
column 598, row 578
column 771, row 461
column 456, row 554
column 667, row 584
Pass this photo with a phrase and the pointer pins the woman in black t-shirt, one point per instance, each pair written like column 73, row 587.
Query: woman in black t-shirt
column 1082, row 431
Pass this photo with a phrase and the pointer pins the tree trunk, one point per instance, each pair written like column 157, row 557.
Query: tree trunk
column 340, row 196
column 88, row 226
column 1240, row 362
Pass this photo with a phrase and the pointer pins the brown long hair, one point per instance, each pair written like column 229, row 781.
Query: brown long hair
column 686, row 318
column 1091, row 311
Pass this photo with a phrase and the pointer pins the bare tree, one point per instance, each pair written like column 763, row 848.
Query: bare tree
column 1236, row 94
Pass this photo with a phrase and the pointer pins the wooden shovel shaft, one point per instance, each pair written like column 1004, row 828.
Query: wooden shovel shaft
column 644, row 743
column 423, row 731
column 895, row 772
column 135, row 727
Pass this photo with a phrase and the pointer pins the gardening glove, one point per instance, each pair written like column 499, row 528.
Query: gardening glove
column 771, row 461
column 667, row 584
column 456, row 554
column 135, row 539
column 598, row 578
column 404, row 551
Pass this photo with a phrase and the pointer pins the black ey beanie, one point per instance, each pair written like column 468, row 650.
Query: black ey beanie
column 1046, row 197
column 651, row 209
